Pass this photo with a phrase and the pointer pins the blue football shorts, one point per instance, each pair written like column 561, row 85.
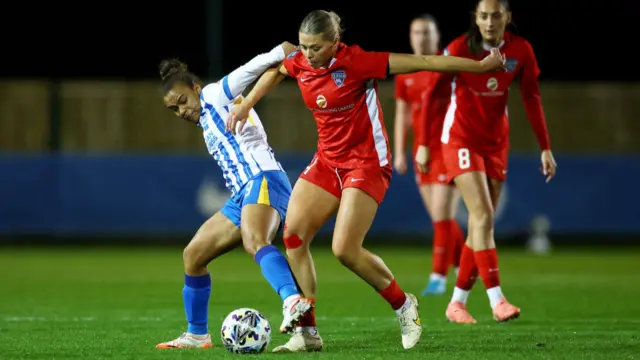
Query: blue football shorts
column 271, row 188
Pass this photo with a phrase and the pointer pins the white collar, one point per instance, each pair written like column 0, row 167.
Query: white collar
column 488, row 47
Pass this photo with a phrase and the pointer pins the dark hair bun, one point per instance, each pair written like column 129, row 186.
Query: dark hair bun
column 168, row 68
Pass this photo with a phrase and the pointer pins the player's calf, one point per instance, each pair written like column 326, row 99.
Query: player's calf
column 300, row 260
column 215, row 237
column 257, row 235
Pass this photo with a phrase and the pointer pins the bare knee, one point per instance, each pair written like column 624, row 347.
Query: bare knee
column 482, row 219
column 481, row 228
column 252, row 242
column 441, row 202
column 346, row 253
column 195, row 258
column 296, row 240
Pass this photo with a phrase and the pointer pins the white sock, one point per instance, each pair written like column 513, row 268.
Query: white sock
column 438, row 277
column 495, row 295
column 312, row 330
column 406, row 304
column 460, row 295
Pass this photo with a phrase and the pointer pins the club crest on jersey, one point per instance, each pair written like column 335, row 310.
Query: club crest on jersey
column 492, row 84
column 292, row 54
column 338, row 77
column 321, row 101
column 511, row 64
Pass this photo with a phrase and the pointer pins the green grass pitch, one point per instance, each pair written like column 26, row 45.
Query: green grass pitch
column 117, row 303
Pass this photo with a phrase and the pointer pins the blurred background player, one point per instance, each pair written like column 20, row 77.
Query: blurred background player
column 260, row 192
column 475, row 146
column 351, row 170
column 438, row 192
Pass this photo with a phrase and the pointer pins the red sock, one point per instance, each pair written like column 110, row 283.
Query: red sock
column 456, row 244
column 487, row 261
column 441, row 241
column 310, row 318
column 468, row 269
column 394, row 295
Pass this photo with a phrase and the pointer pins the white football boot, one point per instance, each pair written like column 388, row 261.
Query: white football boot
column 294, row 308
column 188, row 341
column 410, row 324
column 304, row 339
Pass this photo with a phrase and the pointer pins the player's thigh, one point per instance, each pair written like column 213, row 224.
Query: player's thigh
column 441, row 200
column 363, row 191
column 215, row 237
column 496, row 164
column 264, row 208
column 474, row 188
column 495, row 190
column 436, row 188
column 315, row 198
column 259, row 226
column 353, row 221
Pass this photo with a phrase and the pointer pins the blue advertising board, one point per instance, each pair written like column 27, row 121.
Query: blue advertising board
column 172, row 195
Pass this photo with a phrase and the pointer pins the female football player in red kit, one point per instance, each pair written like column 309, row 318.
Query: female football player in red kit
column 475, row 144
column 351, row 170
column 436, row 189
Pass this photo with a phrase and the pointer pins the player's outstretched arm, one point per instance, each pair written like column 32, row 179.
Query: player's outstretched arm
column 238, row 80
column 406, row 63
column 269, row 80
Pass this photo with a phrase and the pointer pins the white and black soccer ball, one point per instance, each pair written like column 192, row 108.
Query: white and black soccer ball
column 246, row 331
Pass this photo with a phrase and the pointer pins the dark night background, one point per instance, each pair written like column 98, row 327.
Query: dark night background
column 573, row 40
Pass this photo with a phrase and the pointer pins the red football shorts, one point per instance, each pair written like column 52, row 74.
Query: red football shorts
column 437, row 169
column 374, row 182
column 460, row 159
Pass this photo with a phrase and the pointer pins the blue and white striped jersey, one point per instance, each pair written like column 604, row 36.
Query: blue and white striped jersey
column 243, row 156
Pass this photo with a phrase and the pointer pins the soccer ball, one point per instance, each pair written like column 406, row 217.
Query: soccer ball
column 245, row 331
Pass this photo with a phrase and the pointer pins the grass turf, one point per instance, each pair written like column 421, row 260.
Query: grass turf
column 117, row 303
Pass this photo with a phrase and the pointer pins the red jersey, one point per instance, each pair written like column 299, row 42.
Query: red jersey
column 477, row 116
column 344, row 101
column 412, row 89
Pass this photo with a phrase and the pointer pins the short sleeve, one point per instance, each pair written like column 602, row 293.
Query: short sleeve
column 400, row 91
column 455, row 48
column 371, row 64
column 290, row 64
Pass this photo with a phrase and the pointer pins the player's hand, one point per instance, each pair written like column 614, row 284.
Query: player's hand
column 237, row 114
column 495, row 61
column 400, row 163
column 422, row 159
column 549, row 164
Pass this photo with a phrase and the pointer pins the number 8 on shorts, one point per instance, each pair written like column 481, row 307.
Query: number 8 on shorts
column 464, row 160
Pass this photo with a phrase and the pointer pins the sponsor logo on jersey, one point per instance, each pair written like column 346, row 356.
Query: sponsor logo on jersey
column 338, row 77
column 321, row 101
column 511, row 64
column 492, row 84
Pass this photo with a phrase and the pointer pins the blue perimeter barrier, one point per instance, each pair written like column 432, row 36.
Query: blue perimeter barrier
column 172, row 195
